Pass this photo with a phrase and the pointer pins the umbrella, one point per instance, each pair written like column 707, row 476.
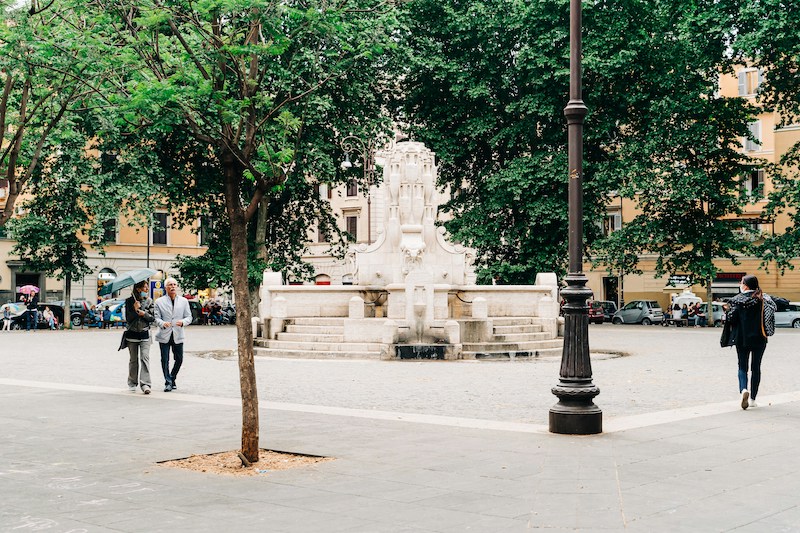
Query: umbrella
column 16, row 309
column 126, row 280
column 29, row 289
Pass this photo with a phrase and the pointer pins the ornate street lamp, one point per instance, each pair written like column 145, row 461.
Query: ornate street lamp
column 354, row 145
column 575, row 413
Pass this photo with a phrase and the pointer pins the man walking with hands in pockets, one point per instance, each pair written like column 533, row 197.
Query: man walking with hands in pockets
column 172, row 314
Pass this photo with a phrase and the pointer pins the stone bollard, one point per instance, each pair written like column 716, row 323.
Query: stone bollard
column 480, row 308
column 453, row 332
column 546, row 308
column 356, row 308
column 279, row 312
column 388, row 340
column 255, row 321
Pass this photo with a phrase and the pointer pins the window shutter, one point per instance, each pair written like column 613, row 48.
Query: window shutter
column 742, row 83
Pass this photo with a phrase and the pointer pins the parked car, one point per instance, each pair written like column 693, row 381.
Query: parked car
column 639, row 312
column 197, row 311
column 78, row 311
column 596, row 312
column 609, row 308
column 716, row 308
column 787, row 315
column 18, row 322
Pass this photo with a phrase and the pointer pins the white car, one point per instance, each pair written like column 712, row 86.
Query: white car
column 788, row 313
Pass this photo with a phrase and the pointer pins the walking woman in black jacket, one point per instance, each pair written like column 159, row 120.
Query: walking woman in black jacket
column 746, row 319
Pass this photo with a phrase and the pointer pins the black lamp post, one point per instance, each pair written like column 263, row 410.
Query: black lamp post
column 352, row 144
column 575, row 413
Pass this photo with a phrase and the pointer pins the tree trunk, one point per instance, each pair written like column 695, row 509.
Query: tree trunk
column 67, row 300
column 247, row 374
column 261, row 246
column 709, row 307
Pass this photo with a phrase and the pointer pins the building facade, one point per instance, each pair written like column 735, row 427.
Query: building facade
column 129, row 248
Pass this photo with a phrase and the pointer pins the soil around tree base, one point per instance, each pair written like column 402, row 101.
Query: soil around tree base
column 229, row 464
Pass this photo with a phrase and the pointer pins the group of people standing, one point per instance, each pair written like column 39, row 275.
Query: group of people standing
column 171, row 315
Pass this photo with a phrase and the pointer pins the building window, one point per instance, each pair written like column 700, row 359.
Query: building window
column 754, row 183
column 329, row 187
column 352, row 227
column 159, row 228
column 755, row 133
column 110, row 230
column 749, row 81
column 611, row 223
column 352, row 188
column 320, row 234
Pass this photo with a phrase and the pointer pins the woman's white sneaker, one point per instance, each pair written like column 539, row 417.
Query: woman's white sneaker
column 752, row 403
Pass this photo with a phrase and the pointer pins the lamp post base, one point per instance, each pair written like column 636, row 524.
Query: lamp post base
column 576, row 420
column 575, row 413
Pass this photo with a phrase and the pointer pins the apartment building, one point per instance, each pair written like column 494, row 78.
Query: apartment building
column 131, row 247
column 772, row 142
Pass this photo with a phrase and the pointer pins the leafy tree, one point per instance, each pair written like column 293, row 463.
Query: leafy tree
column 766, row 38
column 680, row 159
column 42, row 83
column 486, row 88
column 49, row 233
column 239, row 79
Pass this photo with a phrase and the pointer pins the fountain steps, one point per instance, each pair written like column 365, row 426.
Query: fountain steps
column 323, row 338
column 319, row 346
column 313, row 354
column 525, row 346
column 310, row 337
column 315, row 330
column 527, row 328
column 521, row 337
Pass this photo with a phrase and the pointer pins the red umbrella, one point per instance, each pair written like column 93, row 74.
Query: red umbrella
column 29, row 289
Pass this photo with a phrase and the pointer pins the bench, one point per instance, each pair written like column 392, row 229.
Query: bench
column 679, row 322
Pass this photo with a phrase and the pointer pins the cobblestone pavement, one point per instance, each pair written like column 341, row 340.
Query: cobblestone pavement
column 660, row 369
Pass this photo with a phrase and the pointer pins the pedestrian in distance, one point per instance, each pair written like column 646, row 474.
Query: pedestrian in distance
column 139, row 316
column 751, row 320
column 676, row 314
column 7, row 318
column 32, row 314
column 106, row 318
column 49, row 317
column 172, row 314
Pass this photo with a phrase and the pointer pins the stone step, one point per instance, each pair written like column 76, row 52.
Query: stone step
column 322, row 321
column 320, row 346
column 315, row 330
column 506, row 356
column 530, row 328
column 512, row 346
column 313, row 354
column 512, row 321
column 309, row 337
column 521, row 337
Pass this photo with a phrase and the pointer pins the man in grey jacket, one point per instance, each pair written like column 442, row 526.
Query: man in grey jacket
column 173, row 314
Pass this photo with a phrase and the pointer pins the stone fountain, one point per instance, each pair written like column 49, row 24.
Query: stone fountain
column 413, row 294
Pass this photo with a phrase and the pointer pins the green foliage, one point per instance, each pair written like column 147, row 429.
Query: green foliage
column 486, row 85
column 766, row 38
column 55, row 217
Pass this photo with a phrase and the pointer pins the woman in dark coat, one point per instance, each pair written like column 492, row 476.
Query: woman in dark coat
column 746, row 318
